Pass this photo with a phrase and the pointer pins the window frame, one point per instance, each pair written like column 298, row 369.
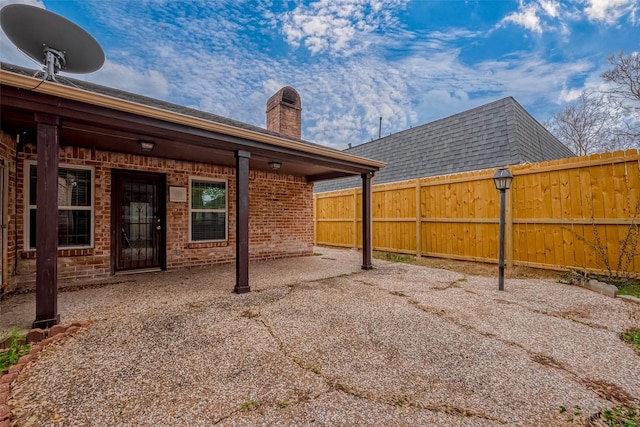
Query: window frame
column 193, row 179
column 28, row 207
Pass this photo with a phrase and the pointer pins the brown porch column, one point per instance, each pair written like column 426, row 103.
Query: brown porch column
column 47, row 222
column 366, row 221
column 242, row 222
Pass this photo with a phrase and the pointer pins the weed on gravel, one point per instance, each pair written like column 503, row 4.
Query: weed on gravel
column 625, row 411
column 393, row 257
column 16, row 350
column 621, row 416
column 632, row 336
column 467, row 267
column 250, row 404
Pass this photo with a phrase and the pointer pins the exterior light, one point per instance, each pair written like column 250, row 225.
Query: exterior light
column 146, row 145
column 274, row 166
column 502, row 179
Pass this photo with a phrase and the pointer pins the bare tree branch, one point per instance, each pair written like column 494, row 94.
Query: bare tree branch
column 605, row 121
column 625, row 75
column 586, row 126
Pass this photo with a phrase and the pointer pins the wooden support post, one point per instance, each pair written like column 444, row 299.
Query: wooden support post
column 367, row 246
column 354, row 225
column 242, row 222
column 315, row 219
column 47, row 222
column 418, row 219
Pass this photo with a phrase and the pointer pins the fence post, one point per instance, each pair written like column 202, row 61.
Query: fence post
column 509, row 227
column 355, row 218
column 418, row 219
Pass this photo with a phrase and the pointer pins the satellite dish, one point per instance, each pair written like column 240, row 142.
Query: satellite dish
column 51, row 40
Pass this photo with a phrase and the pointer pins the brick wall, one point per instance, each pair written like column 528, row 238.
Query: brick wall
column 8, row 155
column 280, row 215
column 284, row 113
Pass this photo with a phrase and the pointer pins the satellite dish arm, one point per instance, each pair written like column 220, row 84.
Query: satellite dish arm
column 54, row 60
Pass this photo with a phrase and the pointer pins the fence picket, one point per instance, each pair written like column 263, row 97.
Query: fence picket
column 557, row 212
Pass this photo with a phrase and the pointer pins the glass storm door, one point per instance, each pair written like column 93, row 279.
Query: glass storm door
column 139, row 220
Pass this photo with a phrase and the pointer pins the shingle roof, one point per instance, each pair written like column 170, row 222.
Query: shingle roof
column 151, row 102
column 496, row 134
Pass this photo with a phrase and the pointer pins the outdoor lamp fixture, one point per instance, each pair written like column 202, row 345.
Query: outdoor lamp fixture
column 274, row 166
column 502, row 179
column 146, row 145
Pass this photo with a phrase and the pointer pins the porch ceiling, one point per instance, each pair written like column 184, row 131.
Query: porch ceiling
column 112, row 124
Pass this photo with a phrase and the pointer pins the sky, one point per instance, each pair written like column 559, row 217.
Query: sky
column 352, row 61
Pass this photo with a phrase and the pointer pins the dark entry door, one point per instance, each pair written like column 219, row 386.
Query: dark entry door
column 138, row 220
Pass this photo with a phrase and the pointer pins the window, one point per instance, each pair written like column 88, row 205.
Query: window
column 75, row 206
column 208, row 210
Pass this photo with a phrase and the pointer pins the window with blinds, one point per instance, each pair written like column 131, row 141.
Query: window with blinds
column 75, row 206
column 208, row 220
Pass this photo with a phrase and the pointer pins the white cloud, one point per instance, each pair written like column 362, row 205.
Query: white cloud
column 338, row 27
column 442, row 84
column 540, row 16
column 345, row 103
column 569, row 95
column 527, row 17
column 551, row 8
column 454, row 34
column 343, row 98
column 148, row 82
column 211, row 61
column 610, row 11
column 592, row 83
column 36, row 3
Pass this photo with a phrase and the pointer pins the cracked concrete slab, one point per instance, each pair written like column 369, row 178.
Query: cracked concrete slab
column 320, row 342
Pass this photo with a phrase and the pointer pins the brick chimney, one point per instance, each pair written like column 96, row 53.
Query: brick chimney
column 284, row 113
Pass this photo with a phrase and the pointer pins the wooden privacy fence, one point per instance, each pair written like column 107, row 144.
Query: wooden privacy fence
column 580, row 212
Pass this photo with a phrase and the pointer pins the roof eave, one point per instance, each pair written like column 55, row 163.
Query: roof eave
column 100, row 100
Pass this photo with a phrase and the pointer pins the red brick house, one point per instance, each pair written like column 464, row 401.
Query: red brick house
column 96, row 182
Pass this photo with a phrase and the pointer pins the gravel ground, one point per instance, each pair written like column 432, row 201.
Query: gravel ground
column 320, row 342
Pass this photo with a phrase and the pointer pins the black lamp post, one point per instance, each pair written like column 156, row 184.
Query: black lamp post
column 502, row 180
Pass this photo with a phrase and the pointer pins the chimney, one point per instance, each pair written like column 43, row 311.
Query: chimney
column 284, row 113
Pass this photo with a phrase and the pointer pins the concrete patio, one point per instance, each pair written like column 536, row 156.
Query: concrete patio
column 320, row 342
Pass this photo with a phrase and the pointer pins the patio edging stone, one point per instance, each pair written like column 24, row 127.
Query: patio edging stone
column 600, row 287
column 39, row 339
column 629, row 298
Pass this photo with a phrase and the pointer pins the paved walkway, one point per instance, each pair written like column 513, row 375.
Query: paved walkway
column 321, row 342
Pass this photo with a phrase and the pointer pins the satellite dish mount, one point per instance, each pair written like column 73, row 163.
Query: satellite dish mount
column 51, row 40
column 54, row 60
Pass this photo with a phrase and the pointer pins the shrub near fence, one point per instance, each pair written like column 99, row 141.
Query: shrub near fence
column 569, row 213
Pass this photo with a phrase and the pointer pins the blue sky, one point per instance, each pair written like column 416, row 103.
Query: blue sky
column 352, row 61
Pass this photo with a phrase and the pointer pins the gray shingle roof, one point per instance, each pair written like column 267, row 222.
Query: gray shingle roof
column 496, row 134
column 151, row 102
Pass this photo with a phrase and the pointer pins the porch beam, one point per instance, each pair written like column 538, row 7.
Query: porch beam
column 367, row 246
column 47, row 222
column 96, row 120
column 76, row 113
column 242, row 222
